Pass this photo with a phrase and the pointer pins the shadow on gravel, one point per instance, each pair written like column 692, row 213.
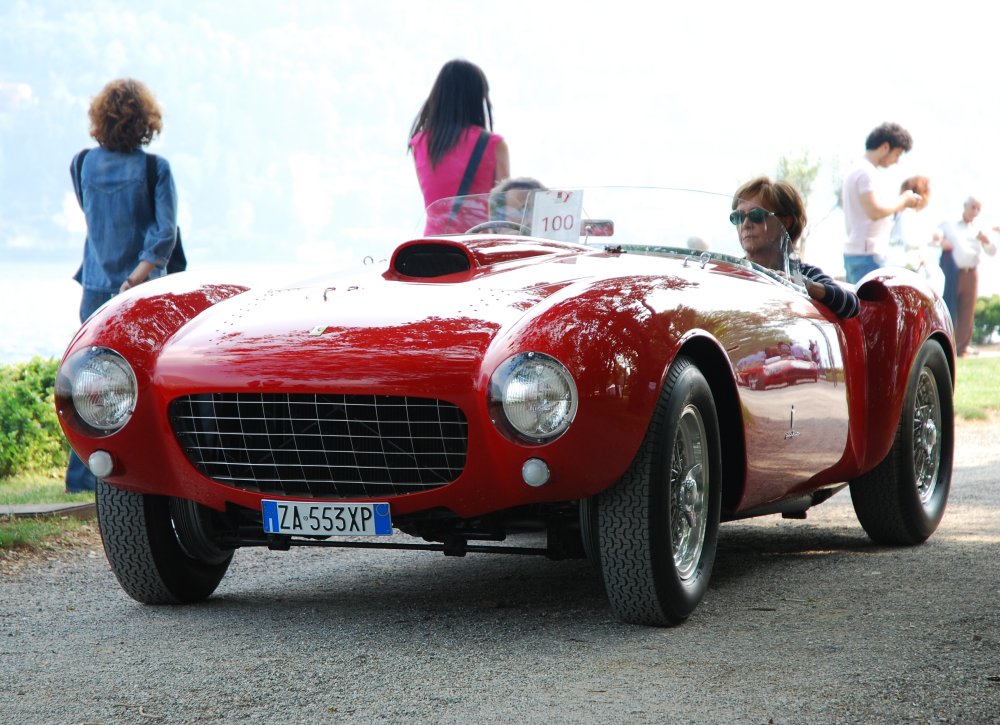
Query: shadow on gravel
column 395, row 587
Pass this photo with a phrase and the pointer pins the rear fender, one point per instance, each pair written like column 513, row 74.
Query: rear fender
column 899, row 314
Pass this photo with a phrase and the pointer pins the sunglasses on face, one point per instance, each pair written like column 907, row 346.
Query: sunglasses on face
column 755, row 215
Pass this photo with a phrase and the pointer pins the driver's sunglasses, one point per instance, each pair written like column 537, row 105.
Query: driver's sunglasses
column 755, row 215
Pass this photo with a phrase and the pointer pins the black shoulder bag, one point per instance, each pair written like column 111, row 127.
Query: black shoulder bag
column 177, row 262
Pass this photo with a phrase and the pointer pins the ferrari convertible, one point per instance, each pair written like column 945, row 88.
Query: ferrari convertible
column 603, row 367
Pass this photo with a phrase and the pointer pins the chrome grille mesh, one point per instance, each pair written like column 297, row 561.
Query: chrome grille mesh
column 322, row 445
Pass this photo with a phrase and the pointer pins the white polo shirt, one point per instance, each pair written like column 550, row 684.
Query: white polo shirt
column 965, row 242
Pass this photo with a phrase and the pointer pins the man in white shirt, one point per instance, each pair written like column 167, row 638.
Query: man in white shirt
column 867, row 213
column 963, row 243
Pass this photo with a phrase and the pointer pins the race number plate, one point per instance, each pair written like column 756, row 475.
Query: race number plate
column 326, row 518
column 556, row 215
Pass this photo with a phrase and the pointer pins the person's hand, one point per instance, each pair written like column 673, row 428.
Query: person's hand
column 911, row 199
column 139, row 275
column 129, row 284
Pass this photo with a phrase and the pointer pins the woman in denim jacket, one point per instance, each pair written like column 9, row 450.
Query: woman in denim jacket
column 129, row 237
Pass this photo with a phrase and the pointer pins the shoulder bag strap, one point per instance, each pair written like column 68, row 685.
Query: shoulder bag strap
column 78, row 176
column 470, row 169
column 151, row 180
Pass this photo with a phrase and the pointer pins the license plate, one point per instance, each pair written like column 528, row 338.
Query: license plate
column 325, row 518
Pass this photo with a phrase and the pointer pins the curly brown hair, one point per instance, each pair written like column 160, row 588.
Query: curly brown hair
column 125, row 115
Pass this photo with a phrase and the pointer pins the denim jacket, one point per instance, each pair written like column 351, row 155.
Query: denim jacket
column 121, row 230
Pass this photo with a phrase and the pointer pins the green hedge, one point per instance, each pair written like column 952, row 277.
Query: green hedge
column 986, row 320
column 30, row 437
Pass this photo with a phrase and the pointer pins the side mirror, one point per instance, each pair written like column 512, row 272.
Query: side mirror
column 597, row 228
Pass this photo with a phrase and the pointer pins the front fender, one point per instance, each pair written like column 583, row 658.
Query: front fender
column 139, row 323
column 617, row 340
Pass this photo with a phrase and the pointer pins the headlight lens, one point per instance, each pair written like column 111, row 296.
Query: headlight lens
column 102, row 387
column 534, row 395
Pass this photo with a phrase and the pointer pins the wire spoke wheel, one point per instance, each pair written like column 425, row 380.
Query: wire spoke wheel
column 657, row 529
column 688, row 492
column 926, row 436
column 901, row 501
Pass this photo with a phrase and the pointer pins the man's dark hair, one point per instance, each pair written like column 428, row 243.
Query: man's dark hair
column 892, row 133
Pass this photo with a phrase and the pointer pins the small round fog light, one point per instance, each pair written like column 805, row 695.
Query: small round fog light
column 535, row 472
column 100, row 464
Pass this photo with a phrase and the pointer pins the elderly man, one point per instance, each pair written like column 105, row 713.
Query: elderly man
column 963, row 242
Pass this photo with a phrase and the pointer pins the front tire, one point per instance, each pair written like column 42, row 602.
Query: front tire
column 901, row 501
column 657, row 528
column 141, row 542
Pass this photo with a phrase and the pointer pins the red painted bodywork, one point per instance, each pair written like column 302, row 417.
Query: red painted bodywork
column 616, row 321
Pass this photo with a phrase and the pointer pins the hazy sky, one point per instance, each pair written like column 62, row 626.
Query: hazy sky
column 286, row 127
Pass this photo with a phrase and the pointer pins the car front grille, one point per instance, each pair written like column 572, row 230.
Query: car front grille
column 323, row 446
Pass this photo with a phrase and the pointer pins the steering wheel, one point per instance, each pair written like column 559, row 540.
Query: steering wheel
column 499, row 224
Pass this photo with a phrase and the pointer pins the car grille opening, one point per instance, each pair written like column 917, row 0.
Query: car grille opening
column 322, row 445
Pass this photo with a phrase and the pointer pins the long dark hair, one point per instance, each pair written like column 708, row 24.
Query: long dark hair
column 459, row 98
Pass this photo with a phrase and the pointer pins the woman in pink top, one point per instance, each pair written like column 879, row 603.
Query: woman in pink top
column 446, row 130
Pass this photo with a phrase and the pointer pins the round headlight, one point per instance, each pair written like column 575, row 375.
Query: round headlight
column 535, row 394
column 103, row 388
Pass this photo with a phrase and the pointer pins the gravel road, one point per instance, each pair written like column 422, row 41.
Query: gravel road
column 805, row 622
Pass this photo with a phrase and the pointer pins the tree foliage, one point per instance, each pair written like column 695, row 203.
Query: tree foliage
column 800, row 172
column 986, row 319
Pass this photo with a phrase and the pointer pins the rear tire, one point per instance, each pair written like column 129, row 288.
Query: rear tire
column 142, row 545
column 901, row 501
column 658, row 527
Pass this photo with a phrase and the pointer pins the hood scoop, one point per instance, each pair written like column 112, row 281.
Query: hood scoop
column 427, row 260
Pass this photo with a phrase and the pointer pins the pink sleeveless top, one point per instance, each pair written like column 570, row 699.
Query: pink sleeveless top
column 443, row 180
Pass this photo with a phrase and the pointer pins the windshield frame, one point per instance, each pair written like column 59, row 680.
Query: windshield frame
column 671, row 223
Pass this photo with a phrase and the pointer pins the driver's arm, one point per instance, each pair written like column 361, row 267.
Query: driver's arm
column 821, row 287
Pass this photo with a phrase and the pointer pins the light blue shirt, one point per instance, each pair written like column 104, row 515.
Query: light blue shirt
column 121, row 228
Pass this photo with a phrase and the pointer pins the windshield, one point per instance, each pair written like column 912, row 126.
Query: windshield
column 637, row 220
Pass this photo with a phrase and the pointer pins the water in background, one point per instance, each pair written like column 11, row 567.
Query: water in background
column 39, row 310
column 40, row 304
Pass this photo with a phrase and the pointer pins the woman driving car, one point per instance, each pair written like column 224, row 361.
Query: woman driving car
column 769, row 217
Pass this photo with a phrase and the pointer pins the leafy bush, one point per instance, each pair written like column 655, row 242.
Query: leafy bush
column 30, row 436
column 986, row 320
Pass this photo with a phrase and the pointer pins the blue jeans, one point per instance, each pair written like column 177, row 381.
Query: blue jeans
column 78, row 476
column 857, row 266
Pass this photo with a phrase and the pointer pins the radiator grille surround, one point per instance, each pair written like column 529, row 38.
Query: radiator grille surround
column 322, row 445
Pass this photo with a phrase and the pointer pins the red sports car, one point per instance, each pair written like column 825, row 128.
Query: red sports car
column 575, row 364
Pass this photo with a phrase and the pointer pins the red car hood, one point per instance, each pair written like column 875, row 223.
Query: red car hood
column 370, row 329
